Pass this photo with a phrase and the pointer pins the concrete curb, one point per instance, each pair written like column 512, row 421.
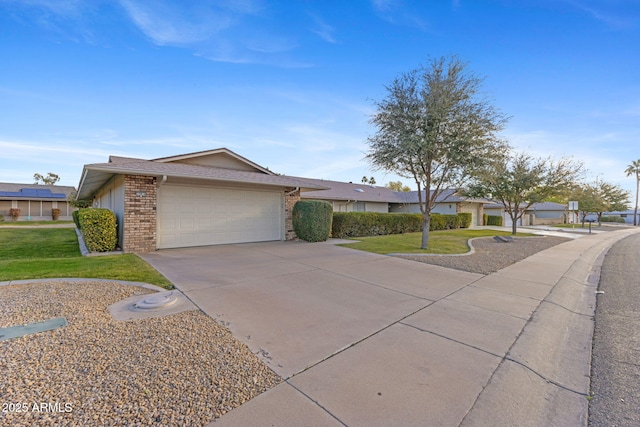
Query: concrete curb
column 544, row 379
column 85, row 251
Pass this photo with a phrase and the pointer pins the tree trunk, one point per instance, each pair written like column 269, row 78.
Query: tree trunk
column 635, row 210
column 514, row 225
column 426, row 221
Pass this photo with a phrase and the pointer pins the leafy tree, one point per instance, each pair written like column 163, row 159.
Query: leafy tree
column 634, row 169
column 520, row 180
column 614, row 198
column 599, row 198
column 587, row 198
column 397, row 186
column 435, row 128
column 78, row 203
column 50, row 179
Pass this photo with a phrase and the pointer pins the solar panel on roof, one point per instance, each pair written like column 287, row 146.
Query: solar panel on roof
column 44, row 193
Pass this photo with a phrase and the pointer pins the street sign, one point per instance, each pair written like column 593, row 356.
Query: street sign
column 573, row 206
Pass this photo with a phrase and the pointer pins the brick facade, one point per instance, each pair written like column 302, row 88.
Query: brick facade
column 140, row 215
column 291, row 196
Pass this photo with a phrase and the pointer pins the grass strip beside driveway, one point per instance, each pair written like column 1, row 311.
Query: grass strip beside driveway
column 440, row 242
column 40, row 253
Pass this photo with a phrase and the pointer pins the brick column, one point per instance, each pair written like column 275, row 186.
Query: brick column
column 290, row 199
column 140, row 198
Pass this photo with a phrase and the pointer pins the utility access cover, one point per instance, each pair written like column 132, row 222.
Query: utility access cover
column 31, row 328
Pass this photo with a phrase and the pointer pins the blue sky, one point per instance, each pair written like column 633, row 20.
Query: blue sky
column 290, row 84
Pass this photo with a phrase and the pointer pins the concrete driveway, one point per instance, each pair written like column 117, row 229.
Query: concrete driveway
column 365, row 339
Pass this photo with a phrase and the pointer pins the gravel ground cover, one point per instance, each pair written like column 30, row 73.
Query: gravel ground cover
column 490, row 255
column 182, row 369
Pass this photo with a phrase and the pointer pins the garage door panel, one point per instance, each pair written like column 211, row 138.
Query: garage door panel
column 198, row 216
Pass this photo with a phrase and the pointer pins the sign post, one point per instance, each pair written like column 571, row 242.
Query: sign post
column 573, row 206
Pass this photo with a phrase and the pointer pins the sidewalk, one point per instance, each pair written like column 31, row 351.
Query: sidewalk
column 511, row 348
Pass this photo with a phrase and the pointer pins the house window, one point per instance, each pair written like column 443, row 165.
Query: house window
column 623, row 215
column 359, row 207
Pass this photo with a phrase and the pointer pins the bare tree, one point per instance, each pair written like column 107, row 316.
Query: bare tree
column 520, row 180
column 434, row 127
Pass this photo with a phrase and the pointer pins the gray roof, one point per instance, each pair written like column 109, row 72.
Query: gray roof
column 446, row 196
column 548, row 206
column 543, row 206
column 348, row 191
column 96, row 175
column 15, row 191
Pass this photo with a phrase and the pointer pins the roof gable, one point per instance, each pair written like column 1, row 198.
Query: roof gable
column 221, row 158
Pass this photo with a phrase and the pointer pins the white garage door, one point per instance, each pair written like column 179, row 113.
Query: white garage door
column 200, row 216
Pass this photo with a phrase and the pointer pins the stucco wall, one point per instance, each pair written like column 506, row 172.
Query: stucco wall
column 350, row 206
column 439, row 208
column 36, row 210
column 111, row 196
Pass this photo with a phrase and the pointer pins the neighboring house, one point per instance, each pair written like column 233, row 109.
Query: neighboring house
column 545, row 213
column 195, row 199
column 35, row 201
column 627, row 215
column 448, row 202
column 349, row 197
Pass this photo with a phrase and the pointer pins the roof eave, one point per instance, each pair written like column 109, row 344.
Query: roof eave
column 86, row 191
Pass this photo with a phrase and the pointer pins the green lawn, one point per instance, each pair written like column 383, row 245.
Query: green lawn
column 39, row 253
column 440, row 242
column 8, row 222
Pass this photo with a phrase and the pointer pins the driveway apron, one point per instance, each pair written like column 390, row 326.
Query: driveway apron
column 296, row 304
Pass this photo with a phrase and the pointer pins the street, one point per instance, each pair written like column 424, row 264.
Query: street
column 615, row 369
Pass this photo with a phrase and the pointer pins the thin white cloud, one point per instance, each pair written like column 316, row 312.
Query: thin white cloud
column 385, row 6
column 398, row 13
column 600, row 152
column 604, row 11
column 67, row 8
column 323, row 30
column 168, row 23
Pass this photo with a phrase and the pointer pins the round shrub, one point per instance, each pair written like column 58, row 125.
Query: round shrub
column 312, row 220
column 465, row 219
column 98, row 227
column 494, row 220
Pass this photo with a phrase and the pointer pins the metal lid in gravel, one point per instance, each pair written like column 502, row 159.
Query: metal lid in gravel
column 151, row 305
column 157, row 301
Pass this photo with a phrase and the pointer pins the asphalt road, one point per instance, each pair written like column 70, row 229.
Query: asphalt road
column 615, row 368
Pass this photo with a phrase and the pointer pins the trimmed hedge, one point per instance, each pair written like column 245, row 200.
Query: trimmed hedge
column 613, row 219
column 357, row 224
column 312, row 220
column 360, row 224
column 465, row 219
column 98, row 227
column 494, row 220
